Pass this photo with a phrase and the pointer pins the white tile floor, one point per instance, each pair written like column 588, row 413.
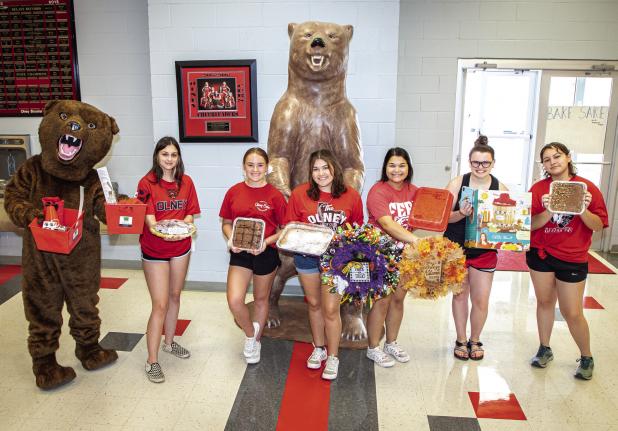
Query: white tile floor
column 199, row 392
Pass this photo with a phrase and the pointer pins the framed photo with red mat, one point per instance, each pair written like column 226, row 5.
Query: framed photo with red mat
column 217, row 101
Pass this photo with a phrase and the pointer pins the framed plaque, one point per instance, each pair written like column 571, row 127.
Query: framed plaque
column 217, row 101
column 38, row 59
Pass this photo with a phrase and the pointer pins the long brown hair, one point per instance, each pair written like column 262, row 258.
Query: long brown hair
column 338, row 186
column 156, row 169
column 481, row 145
column 561, row 148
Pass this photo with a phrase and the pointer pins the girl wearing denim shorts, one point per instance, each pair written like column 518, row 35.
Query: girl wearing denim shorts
column 324, row 200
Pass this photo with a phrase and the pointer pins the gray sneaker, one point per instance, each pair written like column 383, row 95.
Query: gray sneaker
column 154, row 372
column 542, row 357
column 585, row 367
column 176, row 350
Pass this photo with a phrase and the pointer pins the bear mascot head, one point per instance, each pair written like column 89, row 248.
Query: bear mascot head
column 74, row 137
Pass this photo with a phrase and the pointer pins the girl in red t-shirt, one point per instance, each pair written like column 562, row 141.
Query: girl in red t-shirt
column 252, row 198
column 169, row 195
column 324, row 200
column 389, row 204
column 558, row 257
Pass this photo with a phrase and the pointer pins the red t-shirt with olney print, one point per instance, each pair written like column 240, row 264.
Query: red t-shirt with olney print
column 166, row 201
column 264, row 203
column 327, row 210
column 384, row 200
column 566, row 236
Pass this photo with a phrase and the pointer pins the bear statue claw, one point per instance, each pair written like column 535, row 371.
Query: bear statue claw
column 49, row 374
column 274, row 318
column 94, row 356
column 352, row 326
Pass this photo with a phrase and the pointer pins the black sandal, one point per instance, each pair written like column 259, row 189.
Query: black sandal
column 477, row 350
column 462, row 349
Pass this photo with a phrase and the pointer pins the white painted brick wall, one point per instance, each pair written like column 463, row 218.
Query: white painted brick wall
column 210, row 30
column 114, row 69
column 429, row 48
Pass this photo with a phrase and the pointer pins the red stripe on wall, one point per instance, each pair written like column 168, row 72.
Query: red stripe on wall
column 306, row 397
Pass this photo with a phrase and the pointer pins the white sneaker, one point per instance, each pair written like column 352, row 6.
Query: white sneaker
column 331, row 368
column 317, row 356
column 396, row 351
column 378, row 356
column 253, row 347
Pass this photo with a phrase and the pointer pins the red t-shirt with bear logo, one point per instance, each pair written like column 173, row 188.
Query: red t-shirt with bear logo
column 385, row 200
column 327, row 210
column 166, row 201
column 264, row 203
column 565, row 236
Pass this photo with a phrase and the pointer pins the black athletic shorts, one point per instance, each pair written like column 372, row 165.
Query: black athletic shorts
column 262, row 264
column 569, row 272
column 149, row 258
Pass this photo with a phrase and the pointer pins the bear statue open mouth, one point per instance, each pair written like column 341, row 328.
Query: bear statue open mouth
column 68, row 147
column 317, row 60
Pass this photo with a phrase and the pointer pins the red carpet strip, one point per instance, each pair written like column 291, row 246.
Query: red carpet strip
column 306, row 398
column 9, row 271
column 496, row 406
column 516, row 261
column 112, row 282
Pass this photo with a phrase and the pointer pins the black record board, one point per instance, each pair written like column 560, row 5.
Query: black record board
column 38, row 61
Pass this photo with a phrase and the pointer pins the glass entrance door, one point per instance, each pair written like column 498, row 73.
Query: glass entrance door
column 501, row 105
column 579, row 109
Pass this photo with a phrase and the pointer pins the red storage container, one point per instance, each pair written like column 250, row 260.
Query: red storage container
column 125, row 218
column 56, row 241
column 431, row 209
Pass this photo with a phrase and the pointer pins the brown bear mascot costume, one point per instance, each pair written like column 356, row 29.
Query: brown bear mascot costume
column 74, row 136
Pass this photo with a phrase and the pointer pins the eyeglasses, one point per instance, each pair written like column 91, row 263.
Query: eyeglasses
column 477, row 164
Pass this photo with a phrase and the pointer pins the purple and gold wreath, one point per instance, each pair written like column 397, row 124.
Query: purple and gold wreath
column 353, row 247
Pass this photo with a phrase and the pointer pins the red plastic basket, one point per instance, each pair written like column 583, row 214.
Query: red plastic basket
column 56, row 241
column 125, row 218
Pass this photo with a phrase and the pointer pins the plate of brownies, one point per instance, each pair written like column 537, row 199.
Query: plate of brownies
column 248, row 233
column 567, row 197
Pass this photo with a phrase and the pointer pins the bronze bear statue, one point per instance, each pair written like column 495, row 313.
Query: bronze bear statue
column 314, row 113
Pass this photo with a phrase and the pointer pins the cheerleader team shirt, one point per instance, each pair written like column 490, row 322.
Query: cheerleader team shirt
column 264, row 203
column 565, row 236
column 166, row 201
column 327, row 210
column 385, row 200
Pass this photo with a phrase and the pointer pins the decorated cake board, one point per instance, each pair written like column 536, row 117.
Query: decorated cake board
column 501, row 220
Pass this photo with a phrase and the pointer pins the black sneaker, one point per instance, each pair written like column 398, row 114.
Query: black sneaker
column 542, row 357
column 176, row 350
column 584, row 370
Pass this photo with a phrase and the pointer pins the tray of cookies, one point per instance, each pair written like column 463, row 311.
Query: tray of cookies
column 567, row 197
column 173, row 230
column 305, row 238
column 248, row 233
